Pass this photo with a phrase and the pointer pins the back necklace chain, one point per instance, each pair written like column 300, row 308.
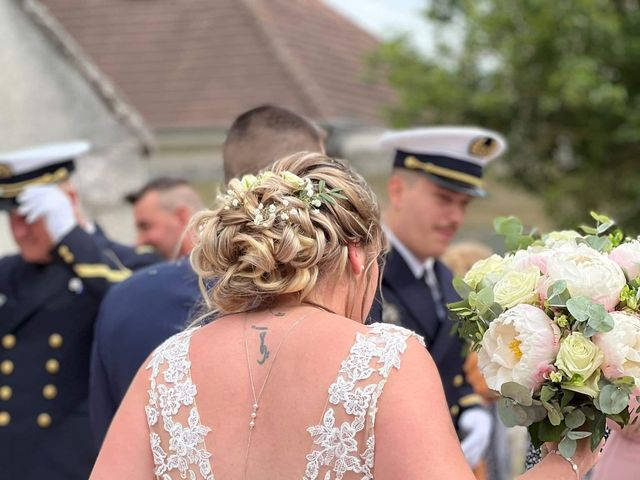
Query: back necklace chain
column 256, row 398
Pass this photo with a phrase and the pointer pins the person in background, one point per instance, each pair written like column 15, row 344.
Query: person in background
column 436, row 173
column 154, row 304
column 49, row 298
column 496, row 465
column 162, row 209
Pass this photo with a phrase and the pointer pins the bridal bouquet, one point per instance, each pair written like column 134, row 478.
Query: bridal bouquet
column 556, row 324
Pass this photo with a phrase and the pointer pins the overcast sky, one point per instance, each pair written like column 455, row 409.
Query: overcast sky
column 384, row 18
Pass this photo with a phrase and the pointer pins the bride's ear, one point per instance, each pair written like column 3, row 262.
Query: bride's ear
column 356, row 259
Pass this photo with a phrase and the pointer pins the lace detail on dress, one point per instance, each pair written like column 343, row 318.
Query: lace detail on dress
column 355, row 394
column 180, row 446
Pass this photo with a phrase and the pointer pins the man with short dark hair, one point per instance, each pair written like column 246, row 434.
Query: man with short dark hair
column 162, row 209
column 158, row 302
column 49, row 298
column 437, row 171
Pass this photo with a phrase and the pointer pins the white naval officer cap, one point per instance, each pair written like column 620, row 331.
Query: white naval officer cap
column 454, row 157
column 40, row 165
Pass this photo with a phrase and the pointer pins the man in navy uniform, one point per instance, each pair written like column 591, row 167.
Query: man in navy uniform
column 139, row 314
column 49, row 298
column 436, row 173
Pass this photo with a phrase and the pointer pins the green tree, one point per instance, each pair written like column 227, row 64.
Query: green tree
column 561, row 79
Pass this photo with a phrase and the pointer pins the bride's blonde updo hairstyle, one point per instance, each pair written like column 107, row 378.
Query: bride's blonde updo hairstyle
column 281, row 231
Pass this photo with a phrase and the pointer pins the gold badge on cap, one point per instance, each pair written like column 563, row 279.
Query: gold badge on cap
column 5, row 171
column 482, row 146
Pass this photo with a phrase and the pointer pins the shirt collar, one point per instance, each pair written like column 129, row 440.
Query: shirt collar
column 417, row 268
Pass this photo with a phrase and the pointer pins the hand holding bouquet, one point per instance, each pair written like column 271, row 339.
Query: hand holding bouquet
column 556, row 324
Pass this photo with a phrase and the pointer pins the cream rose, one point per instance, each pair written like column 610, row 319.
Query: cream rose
column 519, row 344
column 490, row 268
column 561, row 237
column 621, row 347
column 517, row 287
column 579, row 356
column 627, row 256
column 588, row 273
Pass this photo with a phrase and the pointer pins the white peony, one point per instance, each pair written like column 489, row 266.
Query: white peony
column 627, row 256
column 621, row 347
column 488, row 269
column 588, row 273
column 517, row 287
column 520, row 345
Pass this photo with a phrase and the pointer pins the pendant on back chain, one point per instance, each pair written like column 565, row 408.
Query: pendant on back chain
column 254, row 414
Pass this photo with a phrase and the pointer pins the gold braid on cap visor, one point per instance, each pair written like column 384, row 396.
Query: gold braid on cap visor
column 11, row 190
column 413, row 163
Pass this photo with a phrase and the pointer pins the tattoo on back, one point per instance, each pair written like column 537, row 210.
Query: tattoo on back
column 264, row 350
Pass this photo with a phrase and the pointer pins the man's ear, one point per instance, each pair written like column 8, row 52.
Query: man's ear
column 396, row 186
column 184, row 214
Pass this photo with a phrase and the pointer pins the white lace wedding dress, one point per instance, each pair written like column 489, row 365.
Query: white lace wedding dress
column 343, row 442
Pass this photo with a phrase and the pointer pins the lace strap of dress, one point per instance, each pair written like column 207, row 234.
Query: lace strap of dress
column 176, row 434
column 340, row 447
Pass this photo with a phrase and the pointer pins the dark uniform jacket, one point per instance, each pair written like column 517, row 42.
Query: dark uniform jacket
column 407, row 301
column 47, row 314
column 135, row 317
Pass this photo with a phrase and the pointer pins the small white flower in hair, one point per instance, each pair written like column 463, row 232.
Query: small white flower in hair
column 284, row 216
column 259, row 219
column 235, row 202
column 285, row 202
column 260, row 206
column 315, row 210
column 316, row 203
column 272, row 208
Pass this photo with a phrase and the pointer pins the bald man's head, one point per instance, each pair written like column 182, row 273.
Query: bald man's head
column 264, row 134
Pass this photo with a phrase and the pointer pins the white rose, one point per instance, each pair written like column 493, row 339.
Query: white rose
column 588, row 273
column 520, row 343
column 621, row 347
column 627, row 256
column 490, row 268
column 517, row 287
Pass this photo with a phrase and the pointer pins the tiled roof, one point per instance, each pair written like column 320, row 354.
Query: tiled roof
column 199, row 63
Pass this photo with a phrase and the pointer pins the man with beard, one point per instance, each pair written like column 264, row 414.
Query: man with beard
column 436, row 173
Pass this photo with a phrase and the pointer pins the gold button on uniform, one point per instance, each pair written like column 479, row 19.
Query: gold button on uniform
column 44, row 420
column 65, row 254
column 9, row 341
column 5, row 392
column 458, row 380
column 49, row 391
column 55, row 340
column 6, row 367
column 5, row 419
column 455, row 410
column 52, row 366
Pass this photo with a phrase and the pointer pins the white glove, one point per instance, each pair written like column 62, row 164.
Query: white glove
column 476, row 424
column 52, row 204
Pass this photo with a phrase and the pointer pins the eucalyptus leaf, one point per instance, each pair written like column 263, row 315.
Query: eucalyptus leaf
column 511, row 413
column 461, row 288
column 579, row 308
column 547, row 393
column 508, row 226
column 599, row 319
column 553, row 413
column 567, row 396
column 600, row 218
column 567, row 447
column 601, row 244
column 612, row 400
column 588, row 230
column 517, row 392
column 574, row 419
column 598, row 426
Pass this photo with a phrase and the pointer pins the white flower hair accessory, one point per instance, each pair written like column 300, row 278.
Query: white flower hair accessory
column 313, row 195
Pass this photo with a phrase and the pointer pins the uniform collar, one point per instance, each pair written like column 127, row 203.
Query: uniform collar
column 416, row 266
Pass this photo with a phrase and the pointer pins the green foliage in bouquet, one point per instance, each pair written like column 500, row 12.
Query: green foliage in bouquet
column 573, row 397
